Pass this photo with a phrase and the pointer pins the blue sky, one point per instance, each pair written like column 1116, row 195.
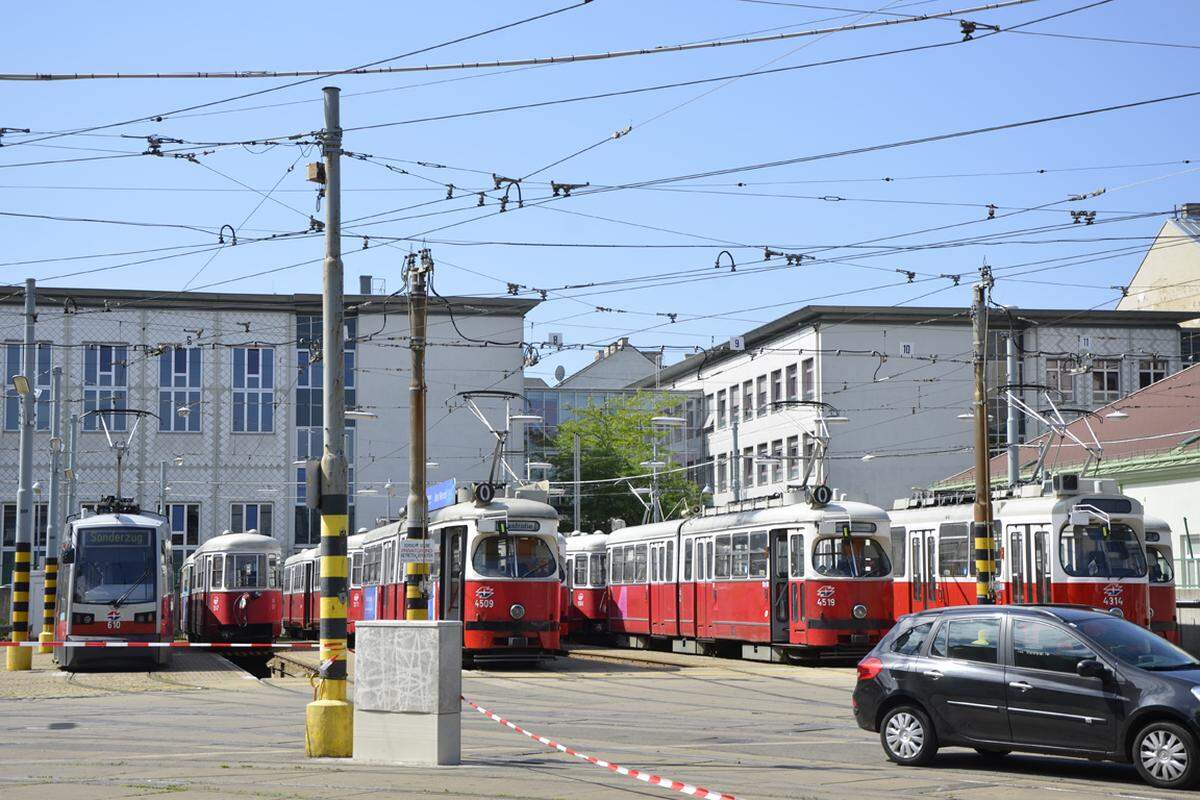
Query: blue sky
column 997, row 79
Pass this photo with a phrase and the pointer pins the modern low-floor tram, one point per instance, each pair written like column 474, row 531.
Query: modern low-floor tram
column 230, row 590
column 115, row 584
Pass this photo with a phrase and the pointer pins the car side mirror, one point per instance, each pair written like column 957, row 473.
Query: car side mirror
column 1091, row 668
column 68, row 556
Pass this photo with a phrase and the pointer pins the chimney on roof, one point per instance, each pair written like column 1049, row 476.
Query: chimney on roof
column 364, row 284
column 1190, row 211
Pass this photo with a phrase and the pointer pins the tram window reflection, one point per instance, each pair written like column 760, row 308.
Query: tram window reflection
column 842, row 557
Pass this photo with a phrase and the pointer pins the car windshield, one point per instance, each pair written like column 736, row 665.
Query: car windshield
column 850, row 557
column 114, row 564
column 1134, row 645
column 514, row 557
column 1102, row 551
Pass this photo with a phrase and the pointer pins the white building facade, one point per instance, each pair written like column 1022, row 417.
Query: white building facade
column 900, row 378
column 234, row 382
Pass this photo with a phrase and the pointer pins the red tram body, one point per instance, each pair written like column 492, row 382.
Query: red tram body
column 302, row 591
column 1164, row 618
column 585, row 609
column 115, row 584
column 230, row 590
column 788, row 581
column 1073, row 540
column 495, row 567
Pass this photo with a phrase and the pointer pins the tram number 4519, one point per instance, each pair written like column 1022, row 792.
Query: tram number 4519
column 827, row 596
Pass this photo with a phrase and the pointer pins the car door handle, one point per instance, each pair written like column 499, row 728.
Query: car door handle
column 1020, row 686
column 933, row 674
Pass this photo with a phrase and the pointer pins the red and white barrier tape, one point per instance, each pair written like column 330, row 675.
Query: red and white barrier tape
column 175, row 645
column 646, row 777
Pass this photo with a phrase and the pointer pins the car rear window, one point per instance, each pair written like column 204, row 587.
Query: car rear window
column 910, row 641
column 972, row 639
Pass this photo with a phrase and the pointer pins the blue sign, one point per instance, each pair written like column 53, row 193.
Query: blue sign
column 441, row 494
column 370, row 596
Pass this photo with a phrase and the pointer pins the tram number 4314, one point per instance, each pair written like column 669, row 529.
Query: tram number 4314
column 827, row 596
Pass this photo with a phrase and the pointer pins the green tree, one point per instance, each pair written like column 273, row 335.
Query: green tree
column 614, row 439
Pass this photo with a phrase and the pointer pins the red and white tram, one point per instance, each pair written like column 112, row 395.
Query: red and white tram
column 230, row 590
column 116, row 583
column 301, row 594
column 785, row 581
column 1070, row 540
column 302, row 590
column 586, row 564
column 496, row 569
column 1161, row 579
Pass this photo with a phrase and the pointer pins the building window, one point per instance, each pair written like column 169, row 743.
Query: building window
column 105, row 385
column 1106, row 380
column 762, row 403
column 790, row 382
column 810, row 449
column 793, row 457
column 253, row 389
column 1189, row 345
column 777, row 465
column 748, row 400
column 179, row 381
column 708, row 409
column 776, row 386
column 808, row 379
column 1060, row 378
column 722, row 472
column 748, row 467
column 1151, row 370
column 721, row 409
column 14, row 352
column 185, row 526
column 734, row 403
column 250, row 516
column 761, row 464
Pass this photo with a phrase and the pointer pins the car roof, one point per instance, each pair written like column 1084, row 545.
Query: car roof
column 1062, row 611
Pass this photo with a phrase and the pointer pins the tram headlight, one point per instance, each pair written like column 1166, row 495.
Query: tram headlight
column 859, row 611
column 516, row 611
column 1117, row 612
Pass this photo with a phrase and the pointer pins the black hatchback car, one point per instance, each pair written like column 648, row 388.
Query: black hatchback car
column 1061, row 680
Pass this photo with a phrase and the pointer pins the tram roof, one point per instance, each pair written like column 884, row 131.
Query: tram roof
column 587, row 542
column 241, row 542
column 303, row 555
column 784, row 514
column 109, row 520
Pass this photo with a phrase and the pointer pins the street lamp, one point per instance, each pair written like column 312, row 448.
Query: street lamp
column 868, row 457
column 184, row 411
column 21, row 384
column 530, row 418
column 358, row 413
column 1118, row 414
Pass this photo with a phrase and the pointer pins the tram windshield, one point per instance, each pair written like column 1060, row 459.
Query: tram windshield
column 514, row 557
column 1161, row 570
column 1102, row 551
column 1135, row 645
column 115, row 565
column 850, row 557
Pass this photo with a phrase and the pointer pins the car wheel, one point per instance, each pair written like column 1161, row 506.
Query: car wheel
column 908, row 737
column 992, row 752
column 1166, row 756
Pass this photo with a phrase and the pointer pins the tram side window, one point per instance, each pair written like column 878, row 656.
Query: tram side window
column 630, row 566
column 954, row 550
column 639, row 555
column 599, row 561
column 899, row 550
column 579, row 571
column 389, row 563
column 356, row 567
column 670, row 572
column 1161, row 570
column 688, row 548
column 741, row 555
column 796, row 546
column 655, row 564
column 216, row 572
column 273, row 572
column 616, row 568
column 724, row 556
column 758, row 554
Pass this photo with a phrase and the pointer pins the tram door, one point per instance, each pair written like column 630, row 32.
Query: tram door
column 1028, row 556
column 453, row 543
column 307, row 613
column 922, row 559
column 780, row 619
column 705, row 591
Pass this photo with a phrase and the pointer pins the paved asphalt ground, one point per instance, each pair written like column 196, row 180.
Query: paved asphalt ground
column 205, row 730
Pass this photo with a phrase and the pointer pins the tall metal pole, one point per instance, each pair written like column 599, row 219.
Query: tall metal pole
column 329, row 718
column 69, row 507
column 1014, row 451
column 21, row 658
column 575, row 465
column 416, row 604
column 162, row 488
column 735, row 464
column 981, row 527
column 54, row 513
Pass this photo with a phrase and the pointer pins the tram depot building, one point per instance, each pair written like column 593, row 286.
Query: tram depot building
column 235, row 382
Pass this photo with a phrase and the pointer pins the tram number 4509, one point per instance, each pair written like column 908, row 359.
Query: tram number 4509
column 484, row 597
column 827, row 596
